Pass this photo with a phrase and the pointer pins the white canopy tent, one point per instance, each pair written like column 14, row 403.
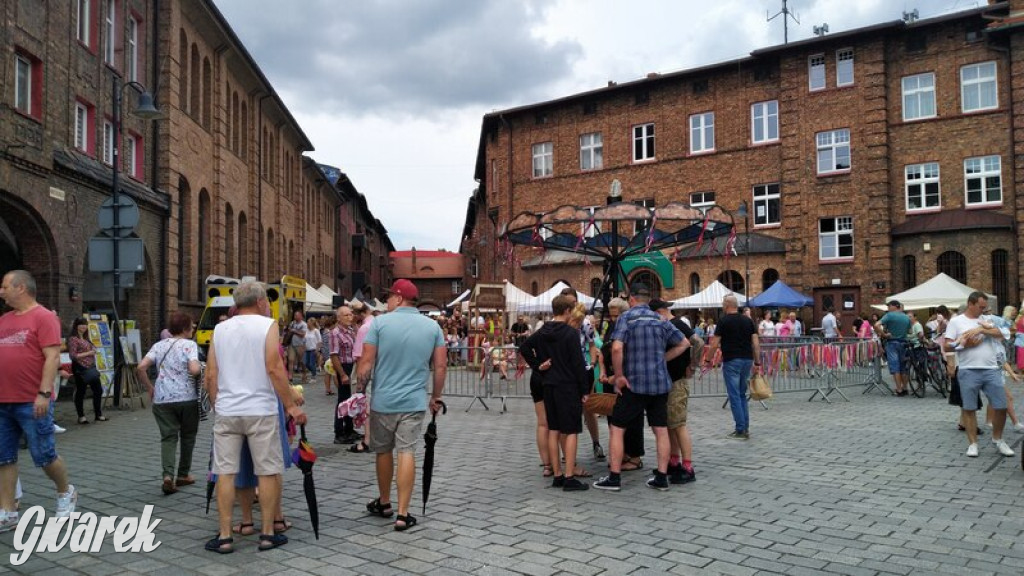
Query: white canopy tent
column 542, row 302
column 461, row 297
column 942, row 290
column 326, row 291
column 317, row 302
column 710, row 297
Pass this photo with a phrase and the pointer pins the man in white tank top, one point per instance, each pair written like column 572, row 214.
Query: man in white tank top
column 244, row 392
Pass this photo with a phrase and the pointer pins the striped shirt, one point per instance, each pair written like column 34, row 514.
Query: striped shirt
column 646, row 336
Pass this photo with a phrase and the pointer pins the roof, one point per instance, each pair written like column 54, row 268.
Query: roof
column 425, row 254
column 93, row 169
column 759, row 244
column 953, row 221
column 557, row 257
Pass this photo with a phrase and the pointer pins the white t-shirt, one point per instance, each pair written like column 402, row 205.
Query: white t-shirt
column 988, row 354
column 313, row 340
column 766, row 328
column 243, row 385
column 829, row 326
column 172, row 381
column 299, row 328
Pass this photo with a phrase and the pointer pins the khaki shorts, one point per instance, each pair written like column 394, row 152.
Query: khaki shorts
column 678, row 400
column 398, row 431
column 264, row 442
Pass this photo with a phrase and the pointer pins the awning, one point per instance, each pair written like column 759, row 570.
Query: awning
column 461, row 297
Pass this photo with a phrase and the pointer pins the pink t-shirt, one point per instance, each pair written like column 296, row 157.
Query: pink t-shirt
column 784, row 328
column 364, row 328
column 22, row 340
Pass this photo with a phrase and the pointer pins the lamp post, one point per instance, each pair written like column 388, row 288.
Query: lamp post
column 613, row 272
column 743, row 213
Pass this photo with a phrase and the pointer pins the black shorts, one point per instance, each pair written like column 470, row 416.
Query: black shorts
column 564, row 409
column 536, row 388
column 630, row 406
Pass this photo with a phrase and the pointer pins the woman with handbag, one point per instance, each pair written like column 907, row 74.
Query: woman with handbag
column 83, row 367
column 175, row 398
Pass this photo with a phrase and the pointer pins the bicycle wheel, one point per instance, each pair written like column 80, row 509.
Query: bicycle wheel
column 918, row 374
column 938, row 376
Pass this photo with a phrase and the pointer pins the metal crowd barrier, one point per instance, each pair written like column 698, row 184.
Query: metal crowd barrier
column 791, row 364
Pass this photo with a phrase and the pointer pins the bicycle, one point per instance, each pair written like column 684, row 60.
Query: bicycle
column 918, row 375
column 937, row 372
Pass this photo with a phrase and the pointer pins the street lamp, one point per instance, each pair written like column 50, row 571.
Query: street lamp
column 613, row 270
column 743, row 213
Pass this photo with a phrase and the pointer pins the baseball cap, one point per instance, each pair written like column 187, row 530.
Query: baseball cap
column 405, row 288
column 894, row 303
column 658, row 304
column 640, row 289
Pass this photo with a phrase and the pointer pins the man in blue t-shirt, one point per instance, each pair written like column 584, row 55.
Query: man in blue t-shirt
column 894, row 327
column 399, row 349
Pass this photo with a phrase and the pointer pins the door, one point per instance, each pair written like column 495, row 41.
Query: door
column 845, row 300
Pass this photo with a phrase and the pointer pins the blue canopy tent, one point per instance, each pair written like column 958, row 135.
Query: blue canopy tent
column 780, row 295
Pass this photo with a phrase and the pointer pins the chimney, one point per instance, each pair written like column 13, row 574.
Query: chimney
column 414, row 268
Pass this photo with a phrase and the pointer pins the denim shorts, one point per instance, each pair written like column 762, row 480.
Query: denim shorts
column 975, row 380
column 895, row 355
column 17, row 419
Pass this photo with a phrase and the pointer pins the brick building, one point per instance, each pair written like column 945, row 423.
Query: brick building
column 869, row 160
column 437, row 274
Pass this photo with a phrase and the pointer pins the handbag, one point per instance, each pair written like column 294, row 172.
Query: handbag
column 600, row 403
column 759, row 388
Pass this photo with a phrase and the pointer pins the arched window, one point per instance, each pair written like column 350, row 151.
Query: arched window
column 732, row 280
column 1001, row 277
column 183, row 71
column 768, row 277
column 193, row 99
column 595, row 287
column 184, row 233
column 909, row 264
column 271, row 251
column 954, row 265
column 265, row 154
column 205, row 232
column 229, row 239
column 291, row 253
column 694, row 283
column 644, row 276
column 533, row 288
column 243, row 135
column 243, row 244
column 207, row 92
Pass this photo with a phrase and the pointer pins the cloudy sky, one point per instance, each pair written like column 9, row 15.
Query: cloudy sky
column 393, row 91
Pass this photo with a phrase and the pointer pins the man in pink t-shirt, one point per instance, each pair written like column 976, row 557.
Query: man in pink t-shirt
column 30, row 355
column 366, row 314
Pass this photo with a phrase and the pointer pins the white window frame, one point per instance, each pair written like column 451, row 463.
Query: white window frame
column 22, row 84
column 816, row 72
column 642, row 224
column 844, row 65
column 977, row 85
column 132, row 42
column 130, row 153
column 842, row 226
column 702, row 199
column 764, row 115
column 83, row 30
column 108, row 142
column 764, row 196
column 921, row 181
column 456, row 287
column 702, row 133
column 832, row 142
column 81, row 135
column 591, row 151
column 586, row 229
column 644, row 136
column 543, row 159
column 982, row 169
column 474, row 267
column 110, row 31
column 912, row 89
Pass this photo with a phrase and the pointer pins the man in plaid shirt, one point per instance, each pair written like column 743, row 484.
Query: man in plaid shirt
column 642, row 343
column 342, row 340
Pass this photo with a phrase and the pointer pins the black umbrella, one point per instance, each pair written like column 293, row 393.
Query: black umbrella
column 429, row 439
column 211, row 481
column 304, row 457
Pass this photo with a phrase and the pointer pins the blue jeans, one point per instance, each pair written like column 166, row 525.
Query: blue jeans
column 736, row 373
column 19, row 418
column 311, row 362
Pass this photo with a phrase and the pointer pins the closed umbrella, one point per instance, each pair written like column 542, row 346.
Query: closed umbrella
column 429, row 439
column 304, row 456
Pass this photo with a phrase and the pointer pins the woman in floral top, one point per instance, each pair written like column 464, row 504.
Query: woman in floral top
column 174, row 397
column 83, row 366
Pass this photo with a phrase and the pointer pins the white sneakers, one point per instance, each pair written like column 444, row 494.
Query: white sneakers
column 8, row 520
column 1019, row 427
column 58, row 430
column 1001, row 445
column 972, row 450
column 66, row 502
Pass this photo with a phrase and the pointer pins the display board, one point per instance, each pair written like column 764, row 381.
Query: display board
column 102, row 339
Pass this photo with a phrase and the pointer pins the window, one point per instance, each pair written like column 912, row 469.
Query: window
column 643, row 142
column 694, row 283
column 595, row 287
column 833, row 151
column 835, row 238
column 702, row 132
column 978, row 87
column 909, row 272
column 768, row 277
column 590, row 229
column 919, row 96
column 764, row 117
column 844, row 67
column 133, row 49
column 733, row 280
column 83, row 119
column 132, row 153
column 767, row 206
column 641, row 225
column 922, row 186
column 591, row 151
column 83, row 20
column 1001, row 275
column 702, row 199
column 108, row 142
column 456, row 287
column 983, row 182
column 816, row 74
column 953, row 264
column 22, row 84
column 543, row 159
column 109, row 31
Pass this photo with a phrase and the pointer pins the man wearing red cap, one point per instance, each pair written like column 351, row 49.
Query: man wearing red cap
column 398, row 351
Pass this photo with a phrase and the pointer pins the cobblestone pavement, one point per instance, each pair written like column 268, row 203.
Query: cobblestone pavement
column 878, row 485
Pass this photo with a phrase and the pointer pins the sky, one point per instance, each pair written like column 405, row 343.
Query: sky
column 393, row 92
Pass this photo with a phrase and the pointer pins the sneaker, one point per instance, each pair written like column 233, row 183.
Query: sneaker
column 1004, row 448
column 972, row 450
column 598, row 452
column 658, row 483
column 66, row 502
column 679, row 475
column 737, row 435
column 58, row 430
column 571, row 484
column 558, row 482
column 988, row 425
column 606, row 483
column 1018, row 428
column 8, row 520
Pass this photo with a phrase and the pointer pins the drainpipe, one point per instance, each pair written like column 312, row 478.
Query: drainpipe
column 508, row 126
column 259, row 183
column 1013, row 155
column 154, row 165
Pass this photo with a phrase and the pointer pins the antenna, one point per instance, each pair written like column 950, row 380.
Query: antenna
column 909, row 17
column 821, row 30
column 786, row 15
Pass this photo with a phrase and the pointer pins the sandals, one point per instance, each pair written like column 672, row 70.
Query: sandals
column 220, row 545
column 360, row 448
column 271, row 541
column 403, row 523
column 581, row 472
column 330, row 393
column 380, row 509
column 548, row 471
column 632, row 464
column 168, row 486
column 244, row 529
column 184, row 481
column 281, row 526
column 102, row 418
